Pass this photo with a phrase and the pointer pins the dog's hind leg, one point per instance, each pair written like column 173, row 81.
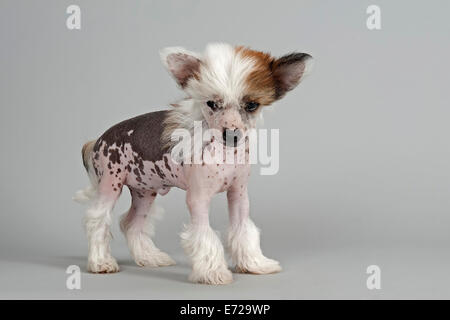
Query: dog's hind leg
column 97, row 223
column 138, row 226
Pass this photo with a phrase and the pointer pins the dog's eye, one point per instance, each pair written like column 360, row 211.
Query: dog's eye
column 251, row 106
column 212, row 104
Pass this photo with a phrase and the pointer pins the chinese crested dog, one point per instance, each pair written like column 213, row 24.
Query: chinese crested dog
column 226, row 89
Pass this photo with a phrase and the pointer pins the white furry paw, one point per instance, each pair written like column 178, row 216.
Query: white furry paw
column 154, row 259
column 216, row 277
column 105, row 265
column 261, row 265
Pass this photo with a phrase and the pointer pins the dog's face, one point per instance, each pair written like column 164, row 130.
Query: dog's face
column 231, row 85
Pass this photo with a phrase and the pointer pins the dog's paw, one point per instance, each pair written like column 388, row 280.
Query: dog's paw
column 106, row 265
column 154, row 259
column 261, row 265
column 216, row 277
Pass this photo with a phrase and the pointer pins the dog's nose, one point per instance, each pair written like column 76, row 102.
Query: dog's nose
column 231, row 137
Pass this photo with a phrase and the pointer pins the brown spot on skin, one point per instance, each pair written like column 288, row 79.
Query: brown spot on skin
column 159, row 172
column 166, row 163
column 154, row 194
column 139, row 163
column 119, row 185
column 119, row 170
column 115, row 189
column 114, row 156
column 136, row 172
column 128, row 168
column 111, row 172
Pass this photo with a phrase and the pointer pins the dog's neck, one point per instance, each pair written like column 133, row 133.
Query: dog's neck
column 183, row 116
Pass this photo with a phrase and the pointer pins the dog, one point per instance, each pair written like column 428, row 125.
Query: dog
column 226, row 90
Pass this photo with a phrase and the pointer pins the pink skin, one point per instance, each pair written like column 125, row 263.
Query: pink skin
column 201, row 181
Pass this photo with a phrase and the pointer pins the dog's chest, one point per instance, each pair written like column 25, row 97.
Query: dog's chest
column 217, row 177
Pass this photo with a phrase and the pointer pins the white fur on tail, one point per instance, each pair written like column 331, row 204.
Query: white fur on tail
column 85, row 195
column 88, row 194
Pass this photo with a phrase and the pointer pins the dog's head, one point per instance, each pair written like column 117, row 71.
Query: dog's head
column 231, row 84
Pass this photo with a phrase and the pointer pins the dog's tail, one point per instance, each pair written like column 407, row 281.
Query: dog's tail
column 89, row 193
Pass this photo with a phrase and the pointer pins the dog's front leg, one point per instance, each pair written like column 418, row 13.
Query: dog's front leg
column 202, row 244
column 243, row 236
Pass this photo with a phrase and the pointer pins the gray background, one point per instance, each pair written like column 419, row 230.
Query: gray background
column 365, row 161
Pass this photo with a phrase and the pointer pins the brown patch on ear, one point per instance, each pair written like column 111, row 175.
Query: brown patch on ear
column 260, row 82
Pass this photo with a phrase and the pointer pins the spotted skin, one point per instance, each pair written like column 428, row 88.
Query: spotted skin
column 131, row 154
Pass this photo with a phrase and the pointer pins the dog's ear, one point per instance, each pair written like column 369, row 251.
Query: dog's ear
column 289, row 70
column 181, row 63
